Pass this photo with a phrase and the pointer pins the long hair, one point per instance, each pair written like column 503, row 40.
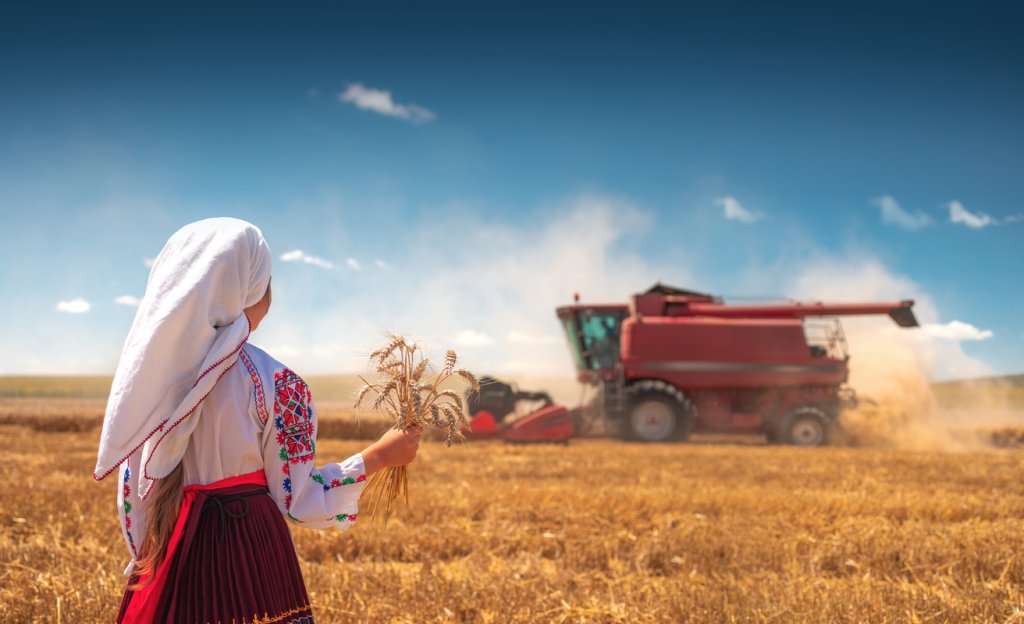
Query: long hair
column 164, row 505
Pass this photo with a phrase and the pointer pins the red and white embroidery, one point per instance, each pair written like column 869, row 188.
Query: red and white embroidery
column 293, row 417
column 126, row 494
column 257, row 383
column 293, row 420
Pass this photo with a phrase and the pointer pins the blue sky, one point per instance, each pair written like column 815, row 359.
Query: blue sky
column 464, row 170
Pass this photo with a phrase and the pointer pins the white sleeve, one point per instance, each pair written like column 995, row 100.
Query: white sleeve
column 314, row 497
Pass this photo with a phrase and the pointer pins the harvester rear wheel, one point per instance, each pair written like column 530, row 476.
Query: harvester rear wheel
column 658, row 412
column 806, row 426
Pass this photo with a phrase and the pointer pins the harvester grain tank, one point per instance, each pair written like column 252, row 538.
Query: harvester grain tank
column 676, row 361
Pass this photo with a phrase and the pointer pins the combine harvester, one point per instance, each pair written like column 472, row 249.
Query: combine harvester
column 674, row 362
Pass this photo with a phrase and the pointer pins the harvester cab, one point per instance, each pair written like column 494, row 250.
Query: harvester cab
column 675, row 361
column 594, row 333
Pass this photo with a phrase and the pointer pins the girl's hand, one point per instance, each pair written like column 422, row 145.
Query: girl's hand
column 394, row 448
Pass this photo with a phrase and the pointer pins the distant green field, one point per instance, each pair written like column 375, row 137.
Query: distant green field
column 326, row 388
column 1007, row 391
column 999, row 392
column 55, row 386
column 1014, row 381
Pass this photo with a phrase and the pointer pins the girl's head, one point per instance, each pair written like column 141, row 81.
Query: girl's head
column 211, row 270
column 208, row 288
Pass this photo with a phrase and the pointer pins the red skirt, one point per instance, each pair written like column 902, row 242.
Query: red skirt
column 230, row 559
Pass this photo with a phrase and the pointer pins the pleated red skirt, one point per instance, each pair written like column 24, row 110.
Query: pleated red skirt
column 231, row 560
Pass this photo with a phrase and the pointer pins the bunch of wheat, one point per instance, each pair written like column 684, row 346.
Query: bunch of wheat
column 412, row 395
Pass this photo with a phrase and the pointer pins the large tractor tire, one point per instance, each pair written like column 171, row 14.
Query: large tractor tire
column 657, row 412
column 806, row 426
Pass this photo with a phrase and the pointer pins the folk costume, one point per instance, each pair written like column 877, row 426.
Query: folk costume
column 189, row 389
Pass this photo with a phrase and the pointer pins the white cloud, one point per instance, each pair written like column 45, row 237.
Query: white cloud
column 297, row 255
column 326, row 350
column 492, row 296
column 734, row 211
column 380, row 264
column 353, row 264
column 148, row 262
column 1017, row 218
column 283, row 351
column 472, row 338
column 957, row 331
column 380, row 101
column 483, row 283
column 74, row 306
column 894, row 214
column 518, row 337
column 975, row 221
column 128, row 300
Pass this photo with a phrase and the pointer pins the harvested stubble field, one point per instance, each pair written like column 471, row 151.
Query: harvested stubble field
column 599, row 531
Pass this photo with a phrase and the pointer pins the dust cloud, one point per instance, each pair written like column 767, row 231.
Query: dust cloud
column 894, row 369
column 900, row 407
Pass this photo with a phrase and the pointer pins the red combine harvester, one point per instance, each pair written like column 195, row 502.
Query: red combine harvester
column 675, row 361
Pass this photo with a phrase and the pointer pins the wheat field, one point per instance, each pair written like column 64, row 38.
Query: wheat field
column 596, row 531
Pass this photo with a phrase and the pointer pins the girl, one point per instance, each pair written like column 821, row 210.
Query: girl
column 215, row 440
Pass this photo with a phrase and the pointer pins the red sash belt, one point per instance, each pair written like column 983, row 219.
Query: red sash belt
column 144, row 601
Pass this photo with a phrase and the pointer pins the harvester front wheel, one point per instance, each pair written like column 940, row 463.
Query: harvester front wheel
column 658, row 412
column 806, row 426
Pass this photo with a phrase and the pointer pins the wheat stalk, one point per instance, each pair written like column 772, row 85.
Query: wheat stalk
column 407, row 393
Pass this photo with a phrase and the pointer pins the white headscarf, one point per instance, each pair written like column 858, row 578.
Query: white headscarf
column 187, row 333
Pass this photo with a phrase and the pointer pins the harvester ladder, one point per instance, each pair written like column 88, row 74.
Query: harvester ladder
column 615, row 393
